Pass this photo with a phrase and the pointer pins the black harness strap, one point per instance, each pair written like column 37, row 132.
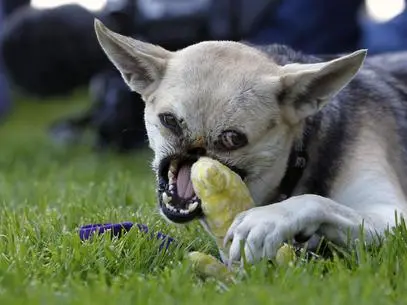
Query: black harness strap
column 297, row 162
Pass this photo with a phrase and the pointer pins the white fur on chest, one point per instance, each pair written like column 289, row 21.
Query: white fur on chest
column 368, row 182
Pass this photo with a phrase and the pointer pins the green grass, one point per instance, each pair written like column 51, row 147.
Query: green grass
column 47, row 192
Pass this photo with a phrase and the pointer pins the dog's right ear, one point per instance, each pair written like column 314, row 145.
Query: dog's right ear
column 309, row 87
column 141, row 64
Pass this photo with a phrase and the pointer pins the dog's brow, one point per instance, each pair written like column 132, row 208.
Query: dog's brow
column 243, row 95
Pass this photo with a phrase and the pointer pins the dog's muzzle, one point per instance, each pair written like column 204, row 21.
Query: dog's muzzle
column 176, row 195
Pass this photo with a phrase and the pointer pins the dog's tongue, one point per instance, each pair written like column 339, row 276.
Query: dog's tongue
column 184, row 184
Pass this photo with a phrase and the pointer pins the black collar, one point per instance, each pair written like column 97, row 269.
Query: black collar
column 297, row 162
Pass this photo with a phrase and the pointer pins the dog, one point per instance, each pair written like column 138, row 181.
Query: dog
column 319, row 141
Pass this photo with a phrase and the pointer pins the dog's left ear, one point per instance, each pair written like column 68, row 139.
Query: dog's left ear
column 306, row 88
column 141, row 64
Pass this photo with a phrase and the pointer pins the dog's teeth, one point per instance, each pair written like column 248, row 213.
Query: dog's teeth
column 171, row 176
column 173, row 165
column 171, row 188
column 193, row 206
column 170, row 207
column 166, row 199
column 172, row 169
column 184, row 211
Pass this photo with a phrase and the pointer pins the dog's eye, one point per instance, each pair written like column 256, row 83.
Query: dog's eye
column 170, row 121
column 231, row 140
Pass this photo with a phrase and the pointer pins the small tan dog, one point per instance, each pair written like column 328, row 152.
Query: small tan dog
column 320, row 142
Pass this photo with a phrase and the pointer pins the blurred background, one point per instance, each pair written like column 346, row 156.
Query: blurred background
column 48, row 50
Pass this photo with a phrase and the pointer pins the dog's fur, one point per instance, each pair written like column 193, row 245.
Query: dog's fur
column 352, row 111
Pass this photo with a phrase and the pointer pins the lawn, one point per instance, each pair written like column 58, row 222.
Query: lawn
column 47, row 192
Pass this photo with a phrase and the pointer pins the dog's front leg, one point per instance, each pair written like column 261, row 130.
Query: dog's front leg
column 264, row 229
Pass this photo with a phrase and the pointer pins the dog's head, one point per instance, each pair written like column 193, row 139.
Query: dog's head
column 225, row 100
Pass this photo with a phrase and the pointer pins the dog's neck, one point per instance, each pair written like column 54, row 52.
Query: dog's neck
column 297, row 163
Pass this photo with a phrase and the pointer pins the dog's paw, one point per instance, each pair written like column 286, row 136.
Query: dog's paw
column 261, row 231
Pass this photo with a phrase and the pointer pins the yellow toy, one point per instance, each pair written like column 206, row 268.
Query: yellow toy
column 223, row 195
column 206, row 265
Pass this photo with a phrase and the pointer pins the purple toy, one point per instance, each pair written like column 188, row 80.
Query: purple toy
column 118, row 229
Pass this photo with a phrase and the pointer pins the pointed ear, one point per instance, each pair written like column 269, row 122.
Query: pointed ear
column 142, row 65
column 306, row 88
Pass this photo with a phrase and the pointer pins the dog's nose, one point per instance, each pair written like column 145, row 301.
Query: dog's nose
column 197, row 147
column 197, row 151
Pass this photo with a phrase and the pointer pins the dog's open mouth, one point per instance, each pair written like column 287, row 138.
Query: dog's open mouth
column 176, row 194
column 177, row 197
